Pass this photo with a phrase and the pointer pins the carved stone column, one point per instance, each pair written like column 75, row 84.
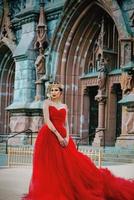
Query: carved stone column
column 26, row 109
column 101, row 122
column 6, row 28
column 99, row 139
column 41, row 45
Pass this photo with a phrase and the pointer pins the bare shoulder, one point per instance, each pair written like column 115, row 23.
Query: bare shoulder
column 65, row 106
column 47, row 102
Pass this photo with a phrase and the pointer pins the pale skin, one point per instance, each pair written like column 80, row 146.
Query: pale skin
column 55, row 100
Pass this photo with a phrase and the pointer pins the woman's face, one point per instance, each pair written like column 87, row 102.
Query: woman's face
column 55, row 93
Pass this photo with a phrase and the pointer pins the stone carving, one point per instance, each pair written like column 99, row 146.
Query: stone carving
column 96, row 55
column 41, row 43
column 132, row 20
column 18, row 124
column 90, row 82
column 129, row 124
column 41, row 36
column 102, row 79
column 101, row 64
column 40, row 64
column 16, row 6
column 127, row 53
column 6, row 28
column 98, row 50
column 23, row 4
column 36, row 123
column 99, row 46
column 126, row 82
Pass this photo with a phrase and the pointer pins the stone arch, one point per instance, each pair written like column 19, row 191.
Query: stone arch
column 72, row 40
column 71, row 11
column 7, row 73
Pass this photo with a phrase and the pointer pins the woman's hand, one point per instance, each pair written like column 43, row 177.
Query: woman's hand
column 66, row 140
column 61, row 141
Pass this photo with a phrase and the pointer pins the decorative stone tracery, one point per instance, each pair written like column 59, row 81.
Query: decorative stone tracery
column 126, row 81
column 6, row 30
column 74, row 48
column 41, row 45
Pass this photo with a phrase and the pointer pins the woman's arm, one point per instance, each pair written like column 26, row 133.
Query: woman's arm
column 50, row 124
column 67, row 127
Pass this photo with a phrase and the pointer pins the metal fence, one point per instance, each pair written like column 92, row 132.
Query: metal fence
column 22, row 156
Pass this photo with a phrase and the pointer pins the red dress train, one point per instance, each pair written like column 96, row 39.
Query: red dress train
column 65, row 174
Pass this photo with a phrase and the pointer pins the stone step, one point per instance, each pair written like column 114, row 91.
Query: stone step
column 112, row 155
column 118, row 160
column 110, row 150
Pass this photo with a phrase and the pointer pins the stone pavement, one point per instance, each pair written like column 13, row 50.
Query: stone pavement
column 14, row 181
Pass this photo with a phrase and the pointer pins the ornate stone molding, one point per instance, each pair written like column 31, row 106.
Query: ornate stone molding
column 15, row 6
column 41, row 43
column 126, row 54
column 126, row 81
column 85, row 90
column 132, row 20
column 6, row 32
column 113, row 80
column 101, row 98
column 90, row 82
column 20, row 20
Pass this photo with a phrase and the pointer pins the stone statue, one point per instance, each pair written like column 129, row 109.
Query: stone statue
column 40, row 64
column 102, row 78
column 126, row 82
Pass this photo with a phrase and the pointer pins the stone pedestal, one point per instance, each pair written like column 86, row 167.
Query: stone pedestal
column 99, row 139
column 126, row 138
column 126, row 141
column 21, row 122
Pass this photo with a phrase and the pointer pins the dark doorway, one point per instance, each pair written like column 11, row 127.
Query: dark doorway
column 7, row 75
column 93, row 113
column 118, row 109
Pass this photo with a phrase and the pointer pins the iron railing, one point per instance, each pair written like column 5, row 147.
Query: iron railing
column 5, row 139
column 22, row 155
column 78, row 140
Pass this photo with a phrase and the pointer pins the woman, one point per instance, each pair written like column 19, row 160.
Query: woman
column 60, row 172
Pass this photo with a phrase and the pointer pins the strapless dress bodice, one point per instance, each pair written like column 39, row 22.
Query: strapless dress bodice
column 57, row 115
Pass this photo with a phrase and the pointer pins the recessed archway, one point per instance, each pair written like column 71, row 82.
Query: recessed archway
column 72, row 47
column 7, row 74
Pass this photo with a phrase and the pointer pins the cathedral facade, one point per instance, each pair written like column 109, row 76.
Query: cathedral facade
column 87, row 46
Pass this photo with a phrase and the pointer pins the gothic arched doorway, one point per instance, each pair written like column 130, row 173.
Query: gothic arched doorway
column 74, row 54
column 7, row 73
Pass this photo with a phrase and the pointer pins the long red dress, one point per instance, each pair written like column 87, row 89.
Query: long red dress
column 63, row 173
